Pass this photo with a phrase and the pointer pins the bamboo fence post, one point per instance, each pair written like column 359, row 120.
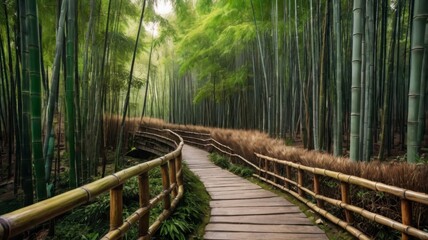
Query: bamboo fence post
column 179, row 169
column 143, row 187
column 300, row 182
column 229, row 154
column 165, row 184
column 116, row 207
column 344, row 190
column 287, row 175
column 173, row 177
column 266, row 168
column 406, row 216
column 275, row 170
column 317, row 190
column 260, row 166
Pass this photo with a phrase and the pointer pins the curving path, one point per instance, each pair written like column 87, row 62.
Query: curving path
column 243, row 210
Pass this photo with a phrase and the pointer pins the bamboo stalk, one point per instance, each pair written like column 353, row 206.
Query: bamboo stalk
column 144, row 198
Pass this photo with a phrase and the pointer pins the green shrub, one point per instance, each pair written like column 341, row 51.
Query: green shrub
column 220, row 160
column 246, row 172
column 224, row 163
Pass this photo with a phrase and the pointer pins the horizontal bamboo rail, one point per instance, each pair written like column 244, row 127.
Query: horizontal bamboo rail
column 21, row 220
column 299, row 191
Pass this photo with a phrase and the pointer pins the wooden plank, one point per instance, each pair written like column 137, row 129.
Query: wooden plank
column 212, row 185
column 267, row 202
column 223, row 185
column 260, row 236
column 273, row 219
column 239, row 211
column 224, row 176
column 238, row 192
column 211, row 172
column 242, row 196
column 225, row 181
column 221, row 179
column 236, row 188
column 243, row 210
column 227, row 227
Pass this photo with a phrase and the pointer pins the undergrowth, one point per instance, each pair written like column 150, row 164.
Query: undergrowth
column 91, row 221
column 224, row 163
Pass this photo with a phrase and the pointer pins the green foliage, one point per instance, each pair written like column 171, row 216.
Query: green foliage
column 420, row 159
column 9, row 205
column 220, row 161
column 224, row 163
column 241, row 170
column 210, row 46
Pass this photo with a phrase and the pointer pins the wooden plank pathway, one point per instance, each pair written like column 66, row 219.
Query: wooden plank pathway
column 243, row 210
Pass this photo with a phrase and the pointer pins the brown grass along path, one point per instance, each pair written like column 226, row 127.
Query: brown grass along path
column 243, row 210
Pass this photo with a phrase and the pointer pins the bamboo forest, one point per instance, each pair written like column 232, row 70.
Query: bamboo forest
column 213, row 119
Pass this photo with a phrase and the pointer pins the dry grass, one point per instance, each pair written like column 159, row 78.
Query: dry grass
column 112, row 129
column 245, row 143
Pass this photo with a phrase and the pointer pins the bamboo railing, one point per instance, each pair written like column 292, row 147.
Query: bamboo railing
column 21, row 220
column 268, row 170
